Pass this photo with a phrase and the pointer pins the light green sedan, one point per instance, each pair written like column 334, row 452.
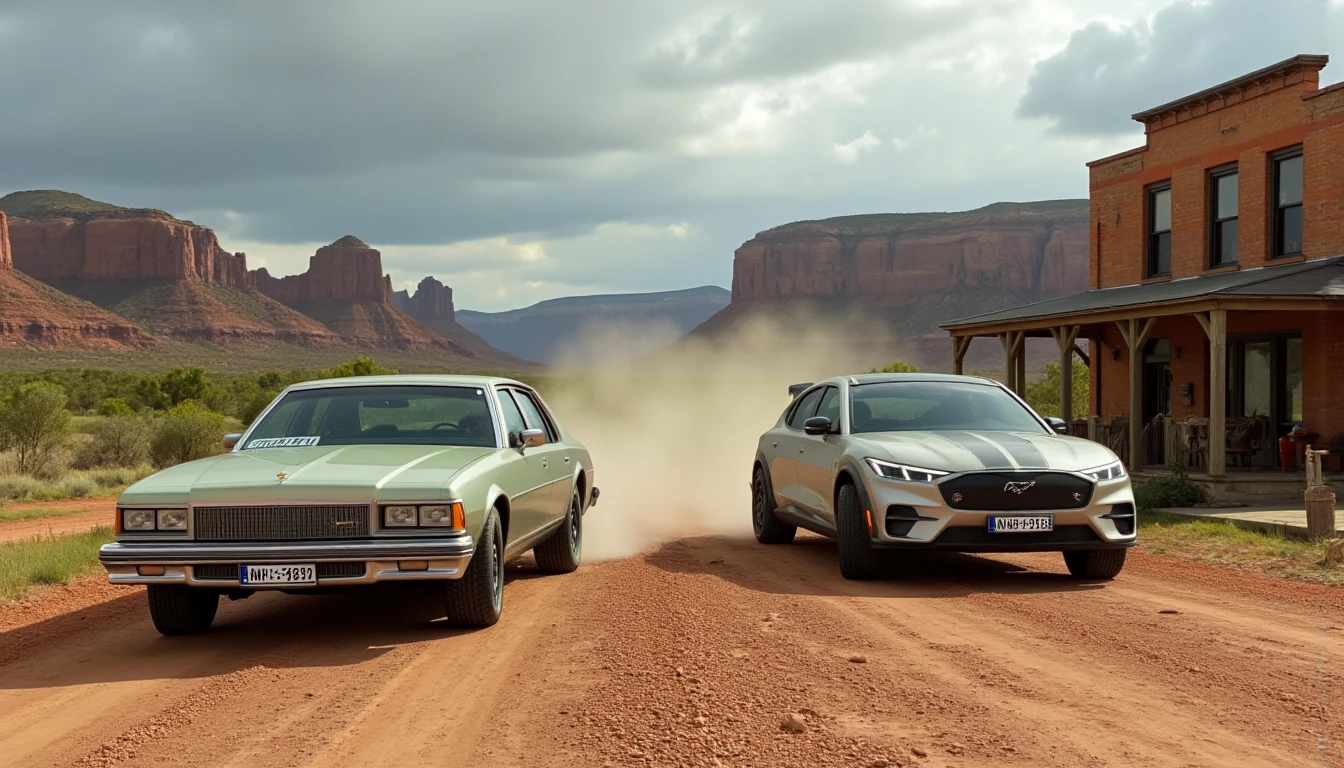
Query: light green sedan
column 347, row 482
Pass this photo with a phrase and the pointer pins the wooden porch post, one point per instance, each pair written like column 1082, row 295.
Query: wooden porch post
column 959, row 346
column 1020, row 377
column 1135, row 333
column 1067, row 338
column 1215, row 327
column 1012, row 345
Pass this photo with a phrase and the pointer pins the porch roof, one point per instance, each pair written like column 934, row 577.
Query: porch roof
column 1316, row 278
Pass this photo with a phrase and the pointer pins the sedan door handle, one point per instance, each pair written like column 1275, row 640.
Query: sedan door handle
column 566, row 459
column 776, row 445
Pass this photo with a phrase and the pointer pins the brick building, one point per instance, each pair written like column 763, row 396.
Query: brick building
column 1217, row 277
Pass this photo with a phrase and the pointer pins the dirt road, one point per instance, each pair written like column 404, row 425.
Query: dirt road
column 693, row 654
column 75, row 516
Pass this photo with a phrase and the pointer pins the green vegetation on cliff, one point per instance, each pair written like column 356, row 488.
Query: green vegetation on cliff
column 55, row 204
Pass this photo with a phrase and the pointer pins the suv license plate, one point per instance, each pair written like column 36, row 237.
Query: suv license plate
column 261, row 575
column 1021, row 523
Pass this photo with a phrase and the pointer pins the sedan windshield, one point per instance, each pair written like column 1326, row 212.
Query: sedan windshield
column 927, row 406
column 377, row 415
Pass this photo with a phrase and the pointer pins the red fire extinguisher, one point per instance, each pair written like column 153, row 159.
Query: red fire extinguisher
column 1287, row 450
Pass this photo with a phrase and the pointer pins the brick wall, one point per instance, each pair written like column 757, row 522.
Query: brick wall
column 1245, row 127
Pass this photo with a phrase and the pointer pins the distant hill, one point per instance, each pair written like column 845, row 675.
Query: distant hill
column 53, row 203
column 625, row 325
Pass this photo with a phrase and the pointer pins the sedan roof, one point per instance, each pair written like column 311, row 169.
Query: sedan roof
column 409, row 379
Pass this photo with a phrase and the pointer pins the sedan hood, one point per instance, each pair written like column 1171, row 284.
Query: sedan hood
column 318, row 473
column 959, row 451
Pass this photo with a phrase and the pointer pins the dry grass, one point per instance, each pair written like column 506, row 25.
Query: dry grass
column 75, row 484
column 1220, row 541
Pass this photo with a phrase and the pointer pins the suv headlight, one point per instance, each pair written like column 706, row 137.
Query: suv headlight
column 902, row 472
column 1113, row 471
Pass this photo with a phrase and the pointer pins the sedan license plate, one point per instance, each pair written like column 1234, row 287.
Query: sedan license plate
column 264, row 575
column 1021, row 523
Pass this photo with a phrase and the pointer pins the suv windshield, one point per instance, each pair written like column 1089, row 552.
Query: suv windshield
column 927, row 406
column 382, row 415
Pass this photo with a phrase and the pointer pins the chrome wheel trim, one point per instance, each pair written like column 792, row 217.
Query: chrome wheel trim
column 497, row 569
column 575, row 526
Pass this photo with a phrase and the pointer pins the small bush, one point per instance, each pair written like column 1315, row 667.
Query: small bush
column 897, row 367
column 186, row 433
column 79, row 487
column 119, row 477
column 113, row 407
column 34, row 424
column 1171, row 491
column 119, row 441
column 22, row 488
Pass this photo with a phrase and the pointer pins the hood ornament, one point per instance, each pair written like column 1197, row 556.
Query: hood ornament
column 280, row 476
column 1018, row 486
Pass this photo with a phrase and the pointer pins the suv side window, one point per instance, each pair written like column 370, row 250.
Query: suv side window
column 513, row 418
column 830, row 408
column 806, row 408
column 532, row 412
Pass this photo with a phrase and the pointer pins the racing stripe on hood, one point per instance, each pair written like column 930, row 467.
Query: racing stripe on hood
column 990, row 456
column 1023, row 452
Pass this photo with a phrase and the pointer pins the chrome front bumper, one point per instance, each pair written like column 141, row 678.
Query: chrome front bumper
column 447, row 557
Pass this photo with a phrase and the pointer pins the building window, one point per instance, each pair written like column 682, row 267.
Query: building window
column 1159, row 230
column 1223, row 238
column 1288, row 204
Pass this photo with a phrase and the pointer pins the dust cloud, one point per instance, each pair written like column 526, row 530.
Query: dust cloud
column 673, row 435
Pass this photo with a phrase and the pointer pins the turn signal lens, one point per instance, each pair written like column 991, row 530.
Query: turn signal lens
column 459, row 516
column 413, row 565
column 403, row 517
column 137, row 519
column 149, row 570
column 172, row 519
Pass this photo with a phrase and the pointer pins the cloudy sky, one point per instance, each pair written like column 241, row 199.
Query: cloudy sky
column 527, row 149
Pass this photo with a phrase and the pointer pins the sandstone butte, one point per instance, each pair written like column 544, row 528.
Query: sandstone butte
column 432, row 305
column 35, row 315
column 904, row 273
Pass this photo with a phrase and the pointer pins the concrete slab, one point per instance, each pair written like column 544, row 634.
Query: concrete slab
column 1284, row 519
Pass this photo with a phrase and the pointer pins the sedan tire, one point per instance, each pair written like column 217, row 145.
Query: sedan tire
column 562, row 550
column 181, row 610
column 1095, row 563
column 768, row 528
column 858, row 559
column 477, row 598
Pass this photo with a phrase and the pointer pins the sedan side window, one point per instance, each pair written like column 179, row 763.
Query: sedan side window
column 532, row 411
column 830, row 408
column 805, row 409
column 513, row 418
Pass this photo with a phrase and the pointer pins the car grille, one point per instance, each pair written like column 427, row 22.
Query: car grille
column 229, row 571
column 280, row 523
column 1063, row 534
column 1016, row 491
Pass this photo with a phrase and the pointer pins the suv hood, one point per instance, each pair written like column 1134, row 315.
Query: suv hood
column 319, row 473
column 958, row 451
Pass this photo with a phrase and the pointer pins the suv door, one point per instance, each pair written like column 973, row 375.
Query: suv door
column 528, row 483
column 788, row 446
column 554, row 454
column 817, row 463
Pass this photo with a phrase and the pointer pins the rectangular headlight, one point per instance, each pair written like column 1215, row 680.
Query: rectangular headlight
column 138, row 519
column 902, row 472
column 442, row 515
column 172, row 519
column 399, row 517
column 1113, row 471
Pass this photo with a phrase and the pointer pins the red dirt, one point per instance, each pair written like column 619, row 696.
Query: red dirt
column 100, row 512
column 693, row 654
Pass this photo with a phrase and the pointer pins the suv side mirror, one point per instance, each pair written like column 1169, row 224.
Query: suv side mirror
column 817, row 425
column 532, row 438
column 231, row 440
column 1057, row 424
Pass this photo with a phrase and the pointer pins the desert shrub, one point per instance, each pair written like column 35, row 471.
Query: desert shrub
column 114, row 406
column 1170, row 491
column 1043, row 396
column 119, row 441
column 22, row 488
column 119, row 477
column 79, row 487
column 187, row 432
column 360, row 366
column 897, row 367
column 34, row 424
column 51, row 466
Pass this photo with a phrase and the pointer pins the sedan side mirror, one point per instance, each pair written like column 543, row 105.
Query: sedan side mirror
column 231, row 440
column 532, row 438
column 817, row 425
column 1059, row 425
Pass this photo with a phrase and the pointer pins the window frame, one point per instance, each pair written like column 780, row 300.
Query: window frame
column 1276, row 210
column 1215, row 224
column 839, row 407
column 1151, row 236
column 547, row 426
column 793, row 411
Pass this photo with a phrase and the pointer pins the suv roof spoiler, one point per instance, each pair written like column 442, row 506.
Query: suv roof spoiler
column 797, row 389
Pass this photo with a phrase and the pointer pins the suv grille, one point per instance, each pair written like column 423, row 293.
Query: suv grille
column 1016, row 491
column 281, row 523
